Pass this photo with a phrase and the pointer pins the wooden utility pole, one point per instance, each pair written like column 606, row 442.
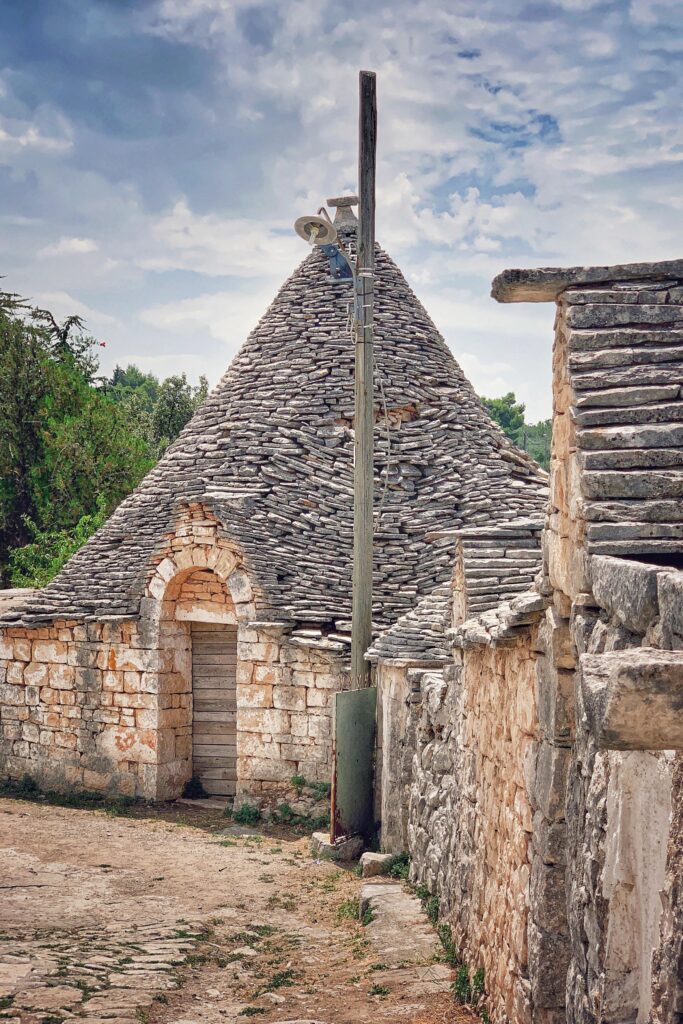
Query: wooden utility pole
column 361, row 630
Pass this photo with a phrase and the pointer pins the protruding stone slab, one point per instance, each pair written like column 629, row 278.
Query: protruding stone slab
column 342, row 850
column 545, row 283
column 626, row 589
column 633, row 700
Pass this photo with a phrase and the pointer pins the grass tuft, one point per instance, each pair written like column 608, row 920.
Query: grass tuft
column 246, row 814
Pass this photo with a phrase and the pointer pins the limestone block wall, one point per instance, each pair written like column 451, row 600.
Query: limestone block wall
column 615, row 506
column 472, row 811
column 620, row 812
column 285, row 687
column 80, row 706
column 107, row 706
column 667, row 962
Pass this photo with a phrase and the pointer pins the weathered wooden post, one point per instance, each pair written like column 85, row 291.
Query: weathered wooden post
column 361, row 628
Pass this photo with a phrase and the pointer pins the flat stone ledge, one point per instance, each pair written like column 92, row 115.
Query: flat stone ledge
column 633, row 700
column 626, row 589
column 544, row 284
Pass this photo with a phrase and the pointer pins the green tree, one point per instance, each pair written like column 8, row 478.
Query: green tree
column 35, row 564
column 64, row 444
column 508, row 413
column 72, row 445
column 533, row 438
column 176, row 404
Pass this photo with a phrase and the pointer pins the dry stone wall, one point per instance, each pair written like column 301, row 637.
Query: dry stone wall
column 471, row 811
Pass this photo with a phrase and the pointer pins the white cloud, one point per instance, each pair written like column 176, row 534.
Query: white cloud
column 215, row 245
column 69, row 247
column 559, row 142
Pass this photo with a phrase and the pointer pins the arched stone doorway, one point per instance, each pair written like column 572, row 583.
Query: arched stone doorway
column 198, row 704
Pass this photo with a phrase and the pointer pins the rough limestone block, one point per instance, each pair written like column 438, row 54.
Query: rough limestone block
column 343, row 850
column 551, row 780
column 548, row 964
column 550, row 839
column 555, row 698
column 626, row 589
column 670, row 597
column 633, row 699
column 548, row 896
column 374, row 863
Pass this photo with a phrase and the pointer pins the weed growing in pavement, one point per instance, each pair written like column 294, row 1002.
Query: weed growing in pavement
column 246, row 814
column 349, row 910
column 285, row 902
column 197, row 959
column 461, row 986
column 450, row 953
column 398, row 866
column 285, row 815
column 86, row 989
column 430, row 904
column 27, row 788
column 282, row 979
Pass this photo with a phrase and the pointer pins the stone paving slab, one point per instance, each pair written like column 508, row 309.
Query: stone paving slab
column 399, row 930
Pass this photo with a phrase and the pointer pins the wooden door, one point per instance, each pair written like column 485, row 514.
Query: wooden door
column 214, row 707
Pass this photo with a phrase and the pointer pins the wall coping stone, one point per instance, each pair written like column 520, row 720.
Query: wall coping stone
column 544, row 284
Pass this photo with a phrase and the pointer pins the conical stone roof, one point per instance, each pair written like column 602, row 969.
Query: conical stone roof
column 271, row 449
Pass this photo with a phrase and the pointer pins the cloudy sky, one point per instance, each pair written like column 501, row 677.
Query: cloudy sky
column 154, row 154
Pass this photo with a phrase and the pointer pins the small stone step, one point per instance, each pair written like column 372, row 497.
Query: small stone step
column 374, row 863
column 399, row 929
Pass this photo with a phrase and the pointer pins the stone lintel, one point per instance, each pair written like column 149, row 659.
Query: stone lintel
column 633, row 699
column 544, row 284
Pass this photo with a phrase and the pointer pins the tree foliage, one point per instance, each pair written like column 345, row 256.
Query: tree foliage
column 533, row 438
column 508, row 413
column 72, row 445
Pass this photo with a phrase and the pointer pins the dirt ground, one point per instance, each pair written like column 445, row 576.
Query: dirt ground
column 172, row 917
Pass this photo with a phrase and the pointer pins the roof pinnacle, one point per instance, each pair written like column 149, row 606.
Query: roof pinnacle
column 344, row 214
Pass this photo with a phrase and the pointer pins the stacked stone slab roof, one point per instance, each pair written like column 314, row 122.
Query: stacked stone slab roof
column 623, row 329
column 495, row 563
column 270, row 453
column 419, row 636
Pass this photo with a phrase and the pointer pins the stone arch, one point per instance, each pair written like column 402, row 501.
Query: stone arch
column 199, row 579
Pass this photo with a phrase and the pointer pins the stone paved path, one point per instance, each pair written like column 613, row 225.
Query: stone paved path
column 174, row 917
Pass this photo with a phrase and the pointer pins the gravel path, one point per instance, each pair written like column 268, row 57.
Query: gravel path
column 172, row 917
